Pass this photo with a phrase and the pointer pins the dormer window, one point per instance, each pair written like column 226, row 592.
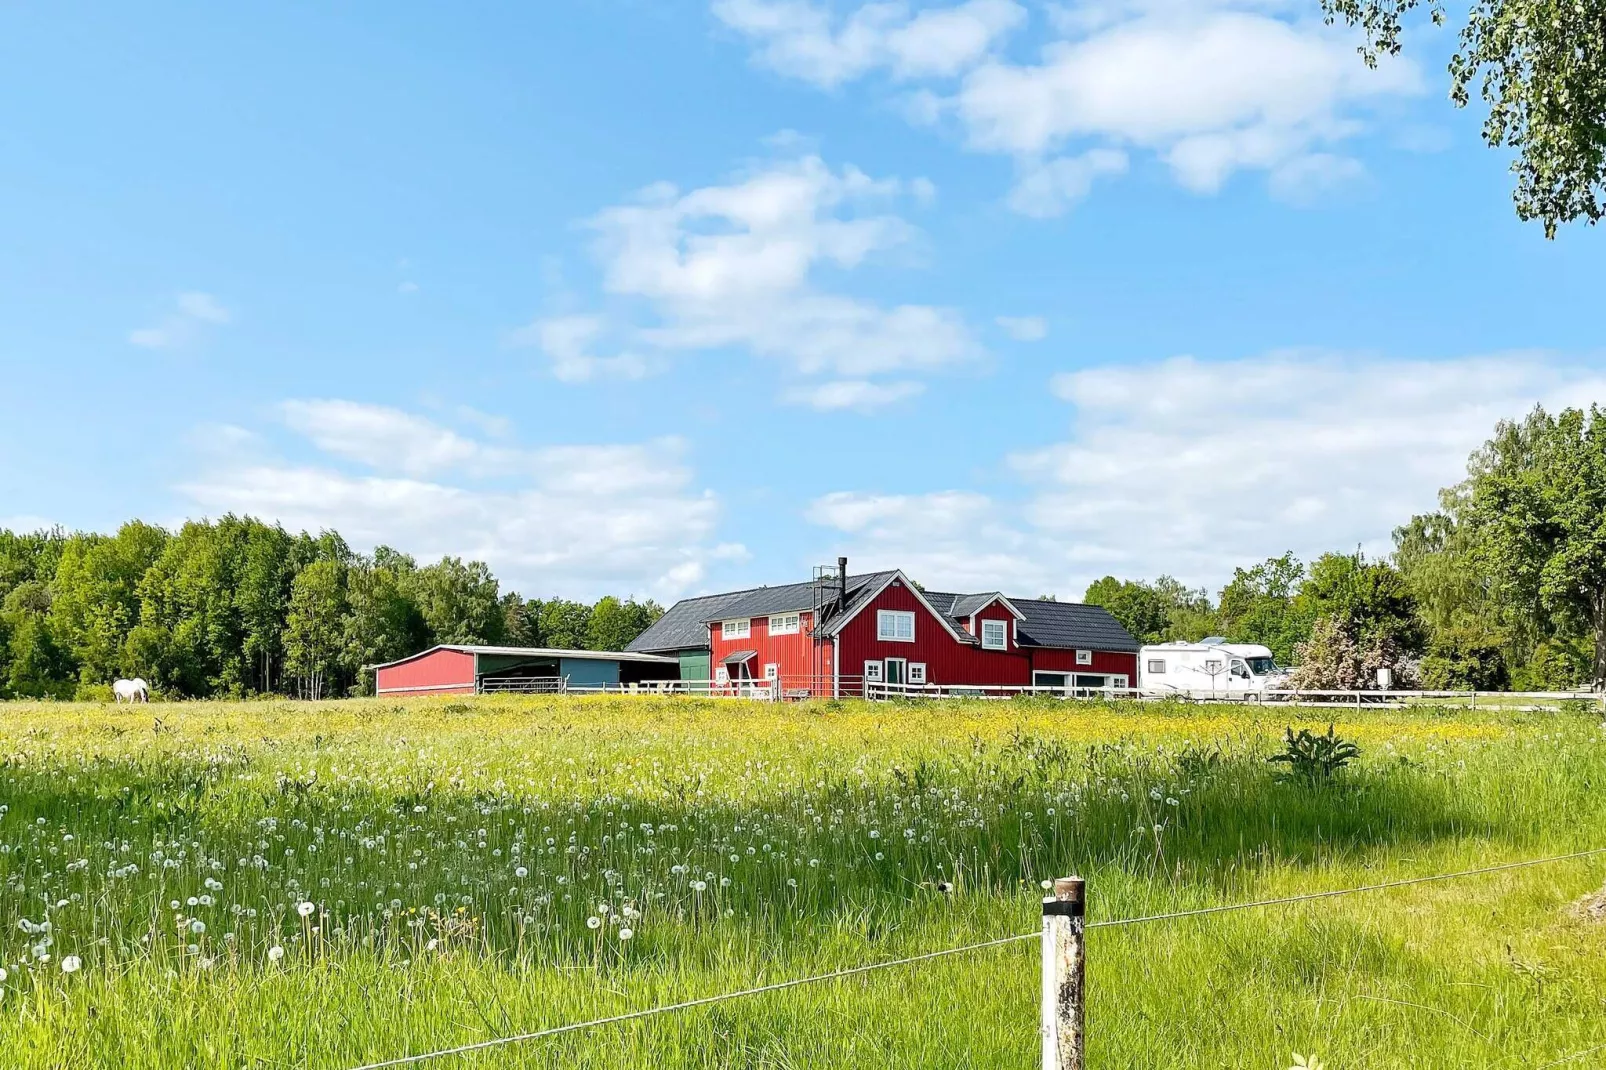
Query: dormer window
column 994, row 635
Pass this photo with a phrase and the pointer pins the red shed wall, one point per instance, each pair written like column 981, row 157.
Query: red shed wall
column 440, row 672
column 947, row 660
column 793, row 653
column 1104, row 661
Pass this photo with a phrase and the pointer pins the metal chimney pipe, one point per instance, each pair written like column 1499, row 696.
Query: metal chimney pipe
column 842, row 579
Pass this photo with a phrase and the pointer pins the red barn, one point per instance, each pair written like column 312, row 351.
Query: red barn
column 461, row 669
column 836, row 633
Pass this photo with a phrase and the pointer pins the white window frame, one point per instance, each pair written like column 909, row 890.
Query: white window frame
column 917, row 671
column 736, row 629
column 1157, row 666
column 1084, row 657
column 887, row 675
column 772, row 671
column 1001, row 629
column 722, row 676
column 786, row 623
column 894, row 617
column 872, row 672
column 1119, row 681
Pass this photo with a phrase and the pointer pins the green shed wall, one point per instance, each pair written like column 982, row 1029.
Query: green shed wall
column 694, row 665
column 588, row 672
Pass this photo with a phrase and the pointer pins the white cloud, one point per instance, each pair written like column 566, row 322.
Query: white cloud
column 577, row 520
column 806, row 40
column 380, row 437
column 947, row 540
column 1310, row 178
column 1194, row 468
column 1210, row 91
column 1047, row 188
column 567, row 341
column 192, row 313
column 1208, row 87
column 860, row 395
column 25, row 524
column 1024, row 328
column 740, row 265
column 202, row 307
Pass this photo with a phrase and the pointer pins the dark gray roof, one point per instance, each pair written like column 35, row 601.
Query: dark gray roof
column 860, row 590
column 1048, row 624
column 685, row 626
column 789, row 597
column 1071, row 625
column 682, row 628
column 532, row 652
column 967, row 604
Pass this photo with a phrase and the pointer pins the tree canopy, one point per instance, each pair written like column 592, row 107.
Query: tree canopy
column 239, row 607
column 1540, row 67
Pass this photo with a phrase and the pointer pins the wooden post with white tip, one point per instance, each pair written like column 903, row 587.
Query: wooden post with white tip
column 1064, row 975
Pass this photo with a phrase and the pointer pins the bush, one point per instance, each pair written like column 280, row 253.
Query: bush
column 1556, row 665
column 1335, row 658
column 1465, row 659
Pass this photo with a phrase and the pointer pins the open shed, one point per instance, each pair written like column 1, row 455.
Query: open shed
column 454, row 669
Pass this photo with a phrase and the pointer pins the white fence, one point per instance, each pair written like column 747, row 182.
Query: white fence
column 792, row 688
column 1504, row 700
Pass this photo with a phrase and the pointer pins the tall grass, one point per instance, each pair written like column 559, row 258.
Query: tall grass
column 321, row 885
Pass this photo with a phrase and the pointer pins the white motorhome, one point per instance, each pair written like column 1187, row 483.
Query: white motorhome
column 1211, row 664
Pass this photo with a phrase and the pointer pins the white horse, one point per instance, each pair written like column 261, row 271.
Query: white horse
column 135, row 690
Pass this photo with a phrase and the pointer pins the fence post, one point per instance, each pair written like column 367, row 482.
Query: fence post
column 1064, row 979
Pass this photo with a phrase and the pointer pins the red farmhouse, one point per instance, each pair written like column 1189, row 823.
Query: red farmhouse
column 836, row 633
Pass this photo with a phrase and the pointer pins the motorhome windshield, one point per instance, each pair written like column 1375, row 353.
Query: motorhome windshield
column 1262, row 666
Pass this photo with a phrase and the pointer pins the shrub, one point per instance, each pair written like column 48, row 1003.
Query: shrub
column 1337, row 658
column 1311, row 758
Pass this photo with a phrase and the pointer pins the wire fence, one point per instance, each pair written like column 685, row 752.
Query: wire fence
column 854, row 971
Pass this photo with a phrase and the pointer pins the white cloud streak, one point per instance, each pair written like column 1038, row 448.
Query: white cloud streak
column 576, row 519
column 859, row 395
column 1024, row 328
column 568, row 341
column 1194, row 468
column 193, row 312
column 806, row 40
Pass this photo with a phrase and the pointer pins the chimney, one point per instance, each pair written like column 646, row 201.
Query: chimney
column 842, row 580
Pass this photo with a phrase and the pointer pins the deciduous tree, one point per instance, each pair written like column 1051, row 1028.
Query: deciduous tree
column 1540, row 67
column 1537, row 508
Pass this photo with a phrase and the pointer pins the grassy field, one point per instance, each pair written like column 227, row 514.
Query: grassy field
column 294, row 885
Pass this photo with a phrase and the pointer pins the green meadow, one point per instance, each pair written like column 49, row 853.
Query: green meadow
column 274, row 884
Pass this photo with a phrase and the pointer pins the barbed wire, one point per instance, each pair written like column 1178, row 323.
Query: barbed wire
column 853, row 971
column 1307, row 896
column 703, row 1001
column 1570, row 1058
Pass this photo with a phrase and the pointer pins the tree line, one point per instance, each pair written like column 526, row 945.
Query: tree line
column 239, row 607
column 1503, row 586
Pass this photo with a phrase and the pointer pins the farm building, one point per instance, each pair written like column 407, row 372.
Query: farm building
column 464, row 670
column 837, row 632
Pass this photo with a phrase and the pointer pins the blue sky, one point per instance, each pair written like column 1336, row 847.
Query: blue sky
column 659, row 298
